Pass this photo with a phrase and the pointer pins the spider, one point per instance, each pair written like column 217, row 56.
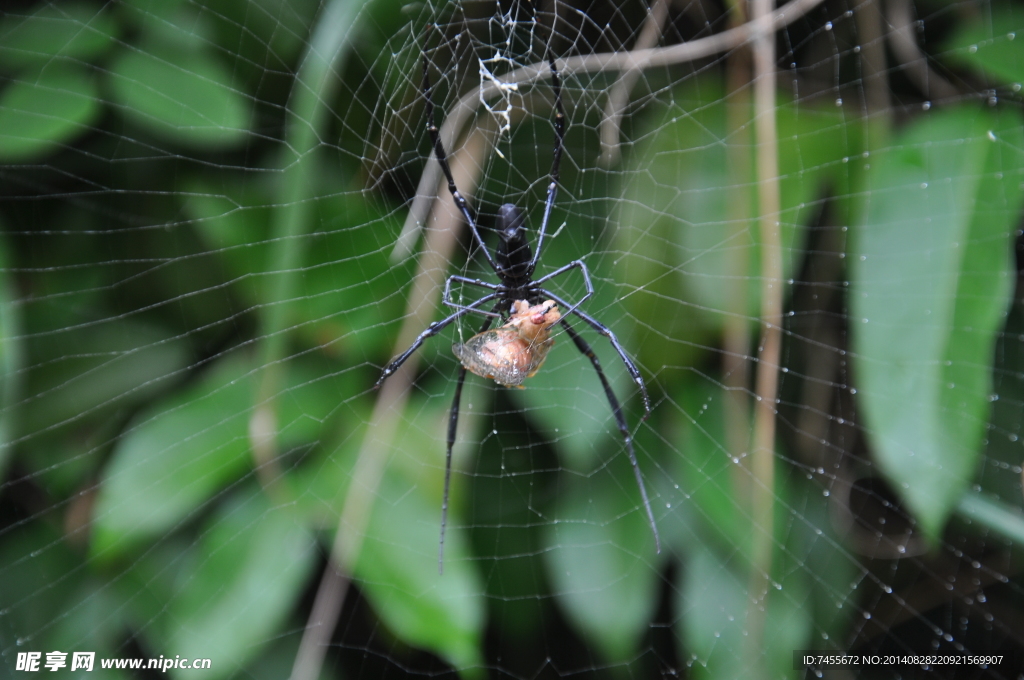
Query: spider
column 515, row 351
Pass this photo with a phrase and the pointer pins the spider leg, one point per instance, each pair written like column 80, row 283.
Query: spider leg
column 435, row 139
column 432, row 330
column 447, row 297
column 634, row 372
column 575, row 264
column 620, row 420
column 453, row 422
column 556, row 86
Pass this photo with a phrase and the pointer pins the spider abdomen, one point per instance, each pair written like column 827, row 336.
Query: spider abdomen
column 514, row 352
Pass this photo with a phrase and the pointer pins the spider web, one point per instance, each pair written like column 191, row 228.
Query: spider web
column 222, row 219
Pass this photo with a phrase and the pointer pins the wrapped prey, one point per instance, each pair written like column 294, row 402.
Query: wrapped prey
column 515, row 351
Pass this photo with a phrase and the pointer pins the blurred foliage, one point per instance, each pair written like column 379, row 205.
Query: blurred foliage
column 931, row 287
column 147, row 262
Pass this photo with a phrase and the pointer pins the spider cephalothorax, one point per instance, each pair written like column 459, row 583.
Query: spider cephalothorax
column 515, row 350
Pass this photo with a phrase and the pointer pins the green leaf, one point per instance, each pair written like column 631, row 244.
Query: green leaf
column 86, row 369
column 397, row 567
column 1003, row 436
column 992, row 515
column 231, row 217
column 397, row 570
column 50, row 599
column 11, row 353
column 816, row 562
column 713, row 606
column 180, row 453
column 41, row 573
column 44, row 112
column 931, row 279
column 176, row 456
column 993, row 43
column 186, row 97
column 89, row 369
column 708, row 475
column 177, row 25
column 349, row 294
column 601, row 559
column 79, row 31
column 688, row 218
column 265, row 35
column 568, row 405
column 252, row 564
column 148, row 583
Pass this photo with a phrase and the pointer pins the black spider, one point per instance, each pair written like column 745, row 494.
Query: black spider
column 514, row 265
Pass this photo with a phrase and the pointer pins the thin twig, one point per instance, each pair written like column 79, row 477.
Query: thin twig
column 375, row 451
column 638, row 60
column 618, row 94
column 320, row 626
column 736, row 326
column 913, row 60
column 763, row 463
column 868, row 15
